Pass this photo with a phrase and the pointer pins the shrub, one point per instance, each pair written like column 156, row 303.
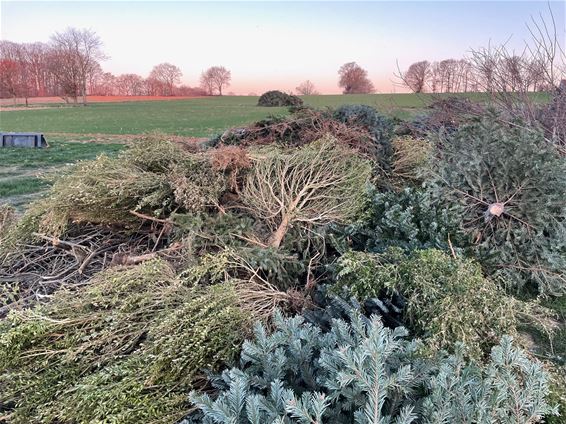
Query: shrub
column 7, row 220
column 203, row 233
column 233, row 161
column 278, row 98
column 316, row 185
column 122, row 349
column 196, row 185
column 448, row 299
column 508, row 186
column 552, row 118
column 279, row 268
column 362, row 372
column 300, row 128
column 104, row 191
column 446, row 115
column 153, row 153
column 20, row 231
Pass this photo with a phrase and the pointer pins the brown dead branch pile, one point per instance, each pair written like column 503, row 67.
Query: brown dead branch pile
column 446, row 114
column 301, row 128
column 34, row 271
column 552, row 117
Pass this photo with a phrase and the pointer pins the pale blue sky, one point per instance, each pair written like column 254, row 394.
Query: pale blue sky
column 279, row 44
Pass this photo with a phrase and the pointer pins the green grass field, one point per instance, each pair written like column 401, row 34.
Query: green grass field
column 200, row 117
column 75, row 133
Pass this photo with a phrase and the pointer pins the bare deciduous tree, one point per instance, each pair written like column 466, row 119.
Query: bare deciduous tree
column 541, row 65
column 10, row 73
column 129, row 85
column 16, row 78
column 417, row 75
column 354, row 79
column 9, row 77
column 36, row 54
column 75, row 56
column 446, row 76
column 168, row 75
column 306, row 88
column 108, row 84
column 214, row 79
column 62, row 66
column 510, row 78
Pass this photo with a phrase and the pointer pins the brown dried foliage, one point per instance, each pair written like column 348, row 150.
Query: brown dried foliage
column 303, row 127
column 7, row 218
column 233, row 161
column 410, row 157
column 552, row 117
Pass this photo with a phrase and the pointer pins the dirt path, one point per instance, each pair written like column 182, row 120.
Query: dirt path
column 11, row 172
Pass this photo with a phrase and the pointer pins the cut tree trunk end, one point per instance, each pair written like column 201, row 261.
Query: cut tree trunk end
column 496, row 209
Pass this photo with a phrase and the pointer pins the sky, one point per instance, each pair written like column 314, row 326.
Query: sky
column 277, row 45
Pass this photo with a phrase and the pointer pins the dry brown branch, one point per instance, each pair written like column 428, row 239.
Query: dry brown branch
column 151, row 218
column 125, row 259
column 35, row 270
column 318, row 184
column 301, row 129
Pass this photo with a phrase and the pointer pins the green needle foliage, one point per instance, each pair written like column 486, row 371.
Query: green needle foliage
column 448, row 299
column 508, row 186
column 409, row 219
column 125, row 348
column 379, row 127
column 361, row 372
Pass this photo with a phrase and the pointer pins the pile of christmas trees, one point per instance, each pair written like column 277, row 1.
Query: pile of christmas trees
column 386, row 278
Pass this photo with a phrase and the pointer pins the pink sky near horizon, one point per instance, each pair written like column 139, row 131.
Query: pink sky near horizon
column 277, row 45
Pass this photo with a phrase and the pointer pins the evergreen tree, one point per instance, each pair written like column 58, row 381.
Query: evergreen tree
column 361, row 372
column 508, row 186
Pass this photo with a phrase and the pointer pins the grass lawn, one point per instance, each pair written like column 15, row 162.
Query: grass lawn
column 190, row 117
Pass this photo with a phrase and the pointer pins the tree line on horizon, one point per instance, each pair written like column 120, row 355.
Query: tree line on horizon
column 68, row 66
column 477, row 74
column 540, row 65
